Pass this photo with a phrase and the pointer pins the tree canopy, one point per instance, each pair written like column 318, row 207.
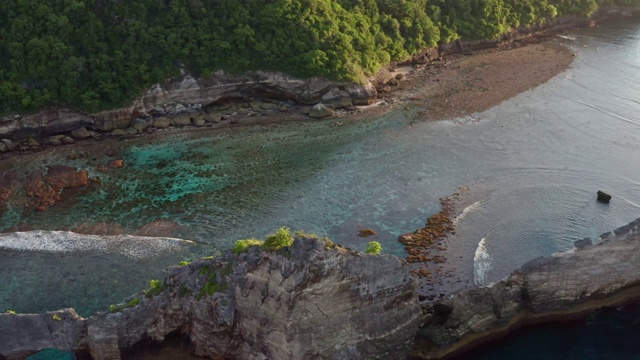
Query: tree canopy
column 99, row 54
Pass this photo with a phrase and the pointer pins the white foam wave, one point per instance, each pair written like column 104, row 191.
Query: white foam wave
column 467, row 210
column 66, row 241
column 481, row 263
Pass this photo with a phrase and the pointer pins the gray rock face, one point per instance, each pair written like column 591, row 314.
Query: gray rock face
column 193, row 92
column 25, row 334
column 312, row 300
column 319, row 111
column 579, row 280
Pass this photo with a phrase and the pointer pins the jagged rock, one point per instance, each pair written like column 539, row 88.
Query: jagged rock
column 337, row 98
column 161, row 122
column 81, row 133
column 305, row 296
column 603, row 196
column 320, row 111
column 548, row 287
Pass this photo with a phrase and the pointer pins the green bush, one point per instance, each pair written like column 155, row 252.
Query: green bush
column 374, row 248
column 156, row 287
column 281, row 238
column 244, row 245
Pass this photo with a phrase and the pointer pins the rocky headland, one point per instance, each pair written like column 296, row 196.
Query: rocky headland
column 553, row 287
column 312, row 300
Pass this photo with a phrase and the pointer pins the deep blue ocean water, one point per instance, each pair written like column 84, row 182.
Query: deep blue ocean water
column 532, row 164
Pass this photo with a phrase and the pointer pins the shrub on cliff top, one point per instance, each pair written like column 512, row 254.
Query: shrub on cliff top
column 374, row 248
column 243, row 245
column 280, row 239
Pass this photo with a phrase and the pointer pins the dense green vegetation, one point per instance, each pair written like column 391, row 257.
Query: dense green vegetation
column 374, row 248
column 96, row 54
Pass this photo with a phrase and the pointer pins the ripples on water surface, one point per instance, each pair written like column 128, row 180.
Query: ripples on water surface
column 534, row 162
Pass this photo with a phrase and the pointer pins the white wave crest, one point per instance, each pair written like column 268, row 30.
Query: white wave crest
column 66, row 241
column 481, row 263
column 467, row 210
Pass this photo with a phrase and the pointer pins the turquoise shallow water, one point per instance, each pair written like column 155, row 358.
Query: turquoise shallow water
column 533, row 164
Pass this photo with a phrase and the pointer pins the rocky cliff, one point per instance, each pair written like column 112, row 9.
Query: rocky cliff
column 190, row 97
column 313, row 300
column 550, row 287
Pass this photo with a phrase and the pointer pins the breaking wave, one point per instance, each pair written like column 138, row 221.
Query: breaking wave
column 65, row 241
column 481, row 263
column 467, row 210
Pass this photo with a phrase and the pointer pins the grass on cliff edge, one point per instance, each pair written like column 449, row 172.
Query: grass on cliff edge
column 283, row 238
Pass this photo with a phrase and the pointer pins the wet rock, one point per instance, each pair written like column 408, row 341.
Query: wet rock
column 118, row 132
column 214, row 118
column 337, row 98
column 199, row 121
column 320, row 111
column 255, row 105
column 81, row 133
column 161, row 122
column 116, row 164
column 111, row 153
column 140, row 124
column 603, row 197
column 47, row 190
column 582, row 243
column 181, row 120
column 268, row 106
column 366, row 232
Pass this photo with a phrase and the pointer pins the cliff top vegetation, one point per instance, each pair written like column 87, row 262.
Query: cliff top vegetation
column 94, row 55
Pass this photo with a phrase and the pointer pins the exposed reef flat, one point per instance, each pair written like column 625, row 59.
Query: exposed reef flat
column 556, row 286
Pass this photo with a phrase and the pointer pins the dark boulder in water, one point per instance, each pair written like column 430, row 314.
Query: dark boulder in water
column 603, row 196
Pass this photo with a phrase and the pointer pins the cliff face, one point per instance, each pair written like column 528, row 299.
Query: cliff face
column 563, row 284
column 190, row 95
column 310, row 301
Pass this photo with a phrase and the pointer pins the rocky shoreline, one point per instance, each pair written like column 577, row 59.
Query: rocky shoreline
column 226, row 100
column 311, row 300
column 320, row 300
column 550, row 288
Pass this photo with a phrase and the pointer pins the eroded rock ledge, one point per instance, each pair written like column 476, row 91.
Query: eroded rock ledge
column 560, row 285
column 313, row 300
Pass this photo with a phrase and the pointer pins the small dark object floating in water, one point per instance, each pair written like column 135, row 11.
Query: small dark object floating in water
column 603, row 197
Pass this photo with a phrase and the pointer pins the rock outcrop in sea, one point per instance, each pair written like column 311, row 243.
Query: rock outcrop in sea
column 309, row 301
column 566, row 284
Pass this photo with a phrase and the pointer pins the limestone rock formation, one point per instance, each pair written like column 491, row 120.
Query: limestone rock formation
column 195, row 93
column 313, row 300
column 561, row 284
